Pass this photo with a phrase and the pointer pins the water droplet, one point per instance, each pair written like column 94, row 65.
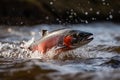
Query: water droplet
column 60, row 21
column 86, row 13
column 110, row 16
column 119, row 12
column 76, row 20
column 71, row 10
column 107, row 18
column 91, row 9
column 97, row 12
column 82, row 20
column 21, row 22
column 57, row 19
column 103, row 0
column 108, row 4
column 47, row 17
column 75, row 14
column 86, row 21
column 70, row 16
column 104, row 3
column 53, row 9
column 51, row 3
column 9, row 30
column 88, row 2
column 93, row 18
column 112, row 10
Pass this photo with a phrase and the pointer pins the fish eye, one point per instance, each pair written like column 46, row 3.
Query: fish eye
column 74, row 35
column 74, row 41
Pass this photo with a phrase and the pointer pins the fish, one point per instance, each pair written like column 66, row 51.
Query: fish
column 62, row 40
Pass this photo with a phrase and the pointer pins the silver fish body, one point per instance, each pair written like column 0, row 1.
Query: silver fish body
column 65, row 39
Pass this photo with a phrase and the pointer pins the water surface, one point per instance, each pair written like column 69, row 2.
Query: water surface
column 98, row 60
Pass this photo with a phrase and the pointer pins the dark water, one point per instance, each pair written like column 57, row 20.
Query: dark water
column 99, row 60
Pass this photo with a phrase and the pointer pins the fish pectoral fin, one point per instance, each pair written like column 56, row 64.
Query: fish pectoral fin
column 61, row 49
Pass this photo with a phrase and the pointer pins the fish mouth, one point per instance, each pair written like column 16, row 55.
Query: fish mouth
column 89, row 38
column 84, row 41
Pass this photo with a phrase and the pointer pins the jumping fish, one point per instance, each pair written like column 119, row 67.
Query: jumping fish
column 63, row 40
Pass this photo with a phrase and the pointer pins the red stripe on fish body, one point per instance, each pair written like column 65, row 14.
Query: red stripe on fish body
column 47, row 44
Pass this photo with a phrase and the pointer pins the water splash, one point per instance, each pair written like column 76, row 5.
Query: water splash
column 105, row 42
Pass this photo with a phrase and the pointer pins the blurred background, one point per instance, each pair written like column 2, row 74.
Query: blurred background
column 31, row 12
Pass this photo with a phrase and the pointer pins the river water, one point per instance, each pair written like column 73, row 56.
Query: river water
column 98, row 60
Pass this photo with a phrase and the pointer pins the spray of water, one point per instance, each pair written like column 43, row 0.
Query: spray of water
column 20, row 50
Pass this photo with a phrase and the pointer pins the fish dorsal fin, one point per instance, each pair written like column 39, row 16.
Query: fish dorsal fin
column 44, row 32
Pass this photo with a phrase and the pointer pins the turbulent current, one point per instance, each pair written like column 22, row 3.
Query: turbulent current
column 98, row 60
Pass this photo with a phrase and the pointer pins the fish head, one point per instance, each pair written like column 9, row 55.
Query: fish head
column 77, row 38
